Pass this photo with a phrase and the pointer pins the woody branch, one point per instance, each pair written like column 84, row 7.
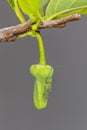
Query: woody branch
column 11, row 33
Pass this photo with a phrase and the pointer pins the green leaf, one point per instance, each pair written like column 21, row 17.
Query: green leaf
column 29, row 7
column 60, row 8
column 34, row 9
column 11, row 3
column 43, row 3
column 15, row 7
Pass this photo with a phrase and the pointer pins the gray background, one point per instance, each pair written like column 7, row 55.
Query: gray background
column 66, row 51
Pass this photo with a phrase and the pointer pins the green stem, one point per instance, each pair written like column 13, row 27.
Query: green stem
column 18, row 12
column 41, row 49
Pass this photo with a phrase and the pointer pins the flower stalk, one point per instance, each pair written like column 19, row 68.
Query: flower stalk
column 42, row 60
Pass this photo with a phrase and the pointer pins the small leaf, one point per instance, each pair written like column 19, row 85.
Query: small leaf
column 11, row 3
column 60, row 8
column 43, row 3
column 15, row 7
column 29, row 7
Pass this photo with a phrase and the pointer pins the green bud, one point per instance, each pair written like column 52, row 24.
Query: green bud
column 43, row 75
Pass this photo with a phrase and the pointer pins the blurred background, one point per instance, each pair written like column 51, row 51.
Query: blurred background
column 66, row 51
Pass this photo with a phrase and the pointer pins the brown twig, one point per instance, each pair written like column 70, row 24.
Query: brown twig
column 11, row 33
